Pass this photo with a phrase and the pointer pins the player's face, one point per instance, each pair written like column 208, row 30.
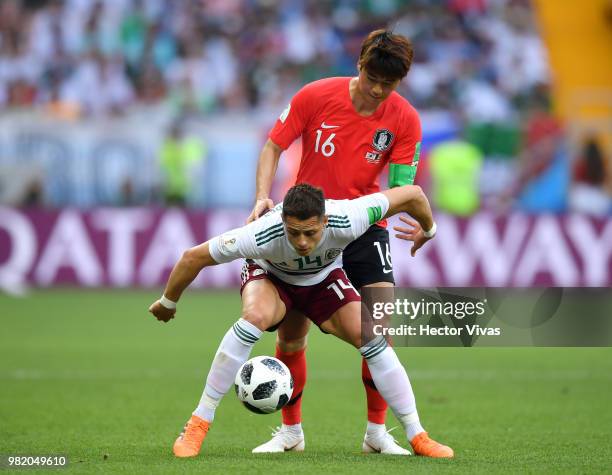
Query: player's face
column 304, row 235
column 375, row 89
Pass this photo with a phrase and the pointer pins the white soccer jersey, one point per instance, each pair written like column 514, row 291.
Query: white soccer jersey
column 265, row 240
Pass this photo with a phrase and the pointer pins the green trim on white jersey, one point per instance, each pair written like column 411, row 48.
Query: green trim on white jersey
column 259, row 240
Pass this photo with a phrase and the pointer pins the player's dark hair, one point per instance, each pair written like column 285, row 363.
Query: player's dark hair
column 387, row 55
column 304, row 201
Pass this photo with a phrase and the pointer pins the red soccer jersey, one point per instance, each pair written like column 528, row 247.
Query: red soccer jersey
column 343, row 152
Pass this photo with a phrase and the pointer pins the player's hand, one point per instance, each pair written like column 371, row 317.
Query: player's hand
column 162, row 313
column 412, row 233
column 261, row 206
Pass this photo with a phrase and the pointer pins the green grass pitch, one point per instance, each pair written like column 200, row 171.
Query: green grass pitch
column 93, row 376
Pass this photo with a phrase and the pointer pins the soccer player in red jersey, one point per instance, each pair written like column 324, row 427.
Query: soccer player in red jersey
column 350, row 129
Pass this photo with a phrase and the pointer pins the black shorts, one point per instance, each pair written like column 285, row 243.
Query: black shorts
column 367, row 260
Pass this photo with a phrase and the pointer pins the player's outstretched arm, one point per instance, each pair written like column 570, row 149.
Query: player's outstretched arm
column 411, row 199
column 266, row 169
column 185, row 270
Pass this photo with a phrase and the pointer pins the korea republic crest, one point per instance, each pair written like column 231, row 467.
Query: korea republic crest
column 382, row 139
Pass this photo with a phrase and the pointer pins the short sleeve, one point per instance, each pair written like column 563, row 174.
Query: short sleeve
column 293, row 119
column 232, row 245
column 404, row 158
column 365, row 211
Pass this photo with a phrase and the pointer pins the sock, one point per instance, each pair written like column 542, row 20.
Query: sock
column 295, row 429
column 233, row 351
column 411, row 424
column 296, row 362
column 392, row 381
column 377, row 407
column 374, row 428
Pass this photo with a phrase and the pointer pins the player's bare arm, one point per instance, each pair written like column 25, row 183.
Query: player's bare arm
column 184, row 272
column 411, row 199
column 266, row 170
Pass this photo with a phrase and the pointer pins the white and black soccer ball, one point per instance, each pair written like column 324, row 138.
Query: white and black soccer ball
column 264, row 384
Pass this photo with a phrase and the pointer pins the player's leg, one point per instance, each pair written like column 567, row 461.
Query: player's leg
column 388, row 374
column 290, row 349
column 262, row 308
column 376, row 438
column 367, row 262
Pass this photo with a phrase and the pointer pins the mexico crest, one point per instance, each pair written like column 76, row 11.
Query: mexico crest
column 382, row 139
column 332, row 254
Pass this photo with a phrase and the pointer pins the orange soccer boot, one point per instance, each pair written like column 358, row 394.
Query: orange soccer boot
column 189, row 442
column 423, row 445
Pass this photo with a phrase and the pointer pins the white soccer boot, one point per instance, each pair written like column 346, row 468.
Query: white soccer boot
column 283, row 439
column 382, row 442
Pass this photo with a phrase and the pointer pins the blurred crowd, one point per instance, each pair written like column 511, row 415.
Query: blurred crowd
column 481, row 57
column 482, row 62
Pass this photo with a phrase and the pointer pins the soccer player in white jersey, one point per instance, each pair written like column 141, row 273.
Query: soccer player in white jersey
column 294, row 258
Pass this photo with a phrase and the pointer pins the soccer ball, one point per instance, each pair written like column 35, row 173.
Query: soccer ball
column 264, row 384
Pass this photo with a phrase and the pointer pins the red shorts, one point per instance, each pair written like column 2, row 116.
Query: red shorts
column 318, row 302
